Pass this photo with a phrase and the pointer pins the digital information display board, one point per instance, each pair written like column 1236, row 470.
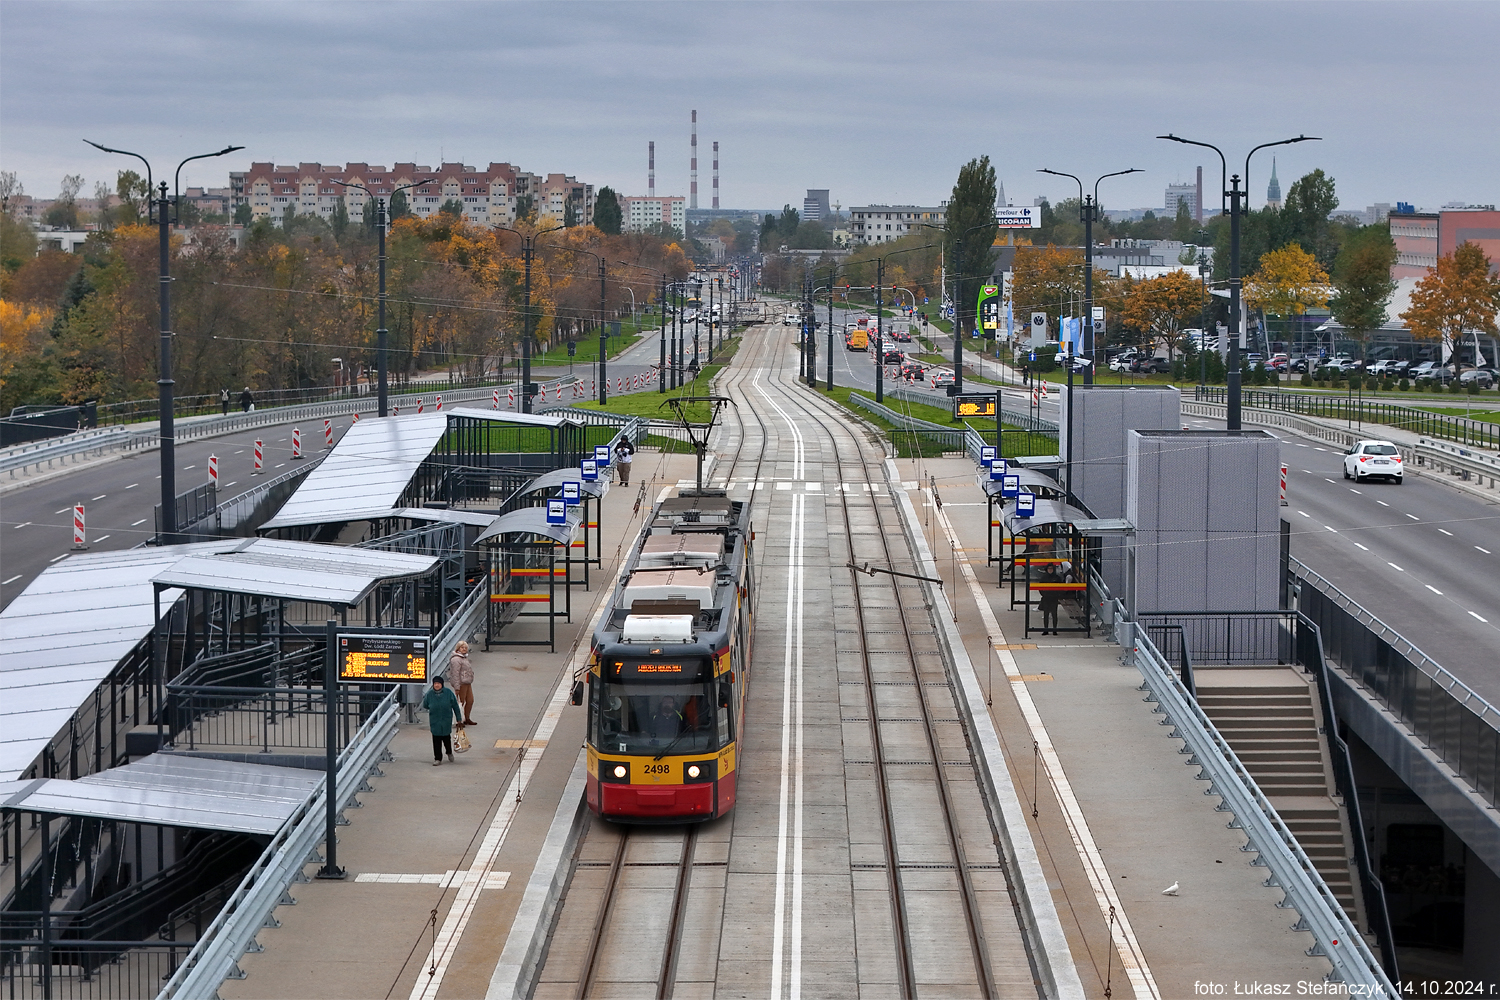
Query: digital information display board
column 396, row 659
column 975, row 405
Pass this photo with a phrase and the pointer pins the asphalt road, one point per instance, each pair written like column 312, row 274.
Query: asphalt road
column 36, row 522
column 1423, row 557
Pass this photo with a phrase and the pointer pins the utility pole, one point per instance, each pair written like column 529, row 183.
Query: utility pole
column 603, row 342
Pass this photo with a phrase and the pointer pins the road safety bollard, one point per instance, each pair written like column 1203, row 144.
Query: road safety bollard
column 213, row 470
column 440, row 404
column 420, row 404
column 296, row 443
column 355, row 420
column 328, row 433
column 510, row 398
column 497, row 399
column 1283, row 486
column 78, row 527
column 260, row 458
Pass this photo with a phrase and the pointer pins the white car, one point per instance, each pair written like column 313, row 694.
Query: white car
column 1373, row 460
column 791, row 319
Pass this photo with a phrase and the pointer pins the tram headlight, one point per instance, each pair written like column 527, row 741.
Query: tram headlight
column 694, row 770
column 620, row 771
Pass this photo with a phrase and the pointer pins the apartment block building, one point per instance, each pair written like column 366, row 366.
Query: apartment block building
column 883, row 223
column 488, row 195
column 639, row 213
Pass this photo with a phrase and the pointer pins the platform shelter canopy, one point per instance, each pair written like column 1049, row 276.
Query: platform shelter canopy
column 1047, row 512
column 64, row 634
column 170, row 789
column 533, row 521
column 334, row 575
column 431, row 515
column 369, row 469
column 553, row 480
column 1028, row 479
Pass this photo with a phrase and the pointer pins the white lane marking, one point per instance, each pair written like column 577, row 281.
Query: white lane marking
column 101, row 538
column 1353, row 490
column 134, row 485
column 1446, row 532
column 797, row 443
column 1481, row 618
column 1414, row 517
column 1382, row 503
column 185, row 468
column 99, row 497
column 227, row 485
column 11, row 580
column 448, row 879
column 1304, row 513
column 279, row 466
column 1327, row 480
column 1301, row 446
column 136, row 523
column 1132, row 958
column 1320, row 449
column 1395, row 567
column 21, row 525
column 1433, row 589
column 1334, row 530
column 790, row 801
column 63, row 511
column 1361, row 546
column 1484, row 550
column 56, row 558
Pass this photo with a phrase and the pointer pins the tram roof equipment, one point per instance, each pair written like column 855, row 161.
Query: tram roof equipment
column 171, row 789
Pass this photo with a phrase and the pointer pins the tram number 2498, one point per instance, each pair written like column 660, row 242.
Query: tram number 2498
column 657, row 769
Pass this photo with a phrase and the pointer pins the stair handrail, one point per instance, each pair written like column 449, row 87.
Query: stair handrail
column 1310, row 653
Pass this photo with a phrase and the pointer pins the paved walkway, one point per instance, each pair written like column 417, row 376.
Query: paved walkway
column 442, row 854
column 1119, row 816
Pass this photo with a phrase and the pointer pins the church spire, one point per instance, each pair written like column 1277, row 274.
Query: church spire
column 1273, row 190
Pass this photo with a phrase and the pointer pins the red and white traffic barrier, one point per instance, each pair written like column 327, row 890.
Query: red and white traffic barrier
column 260, row 457
column 497, row 399
column 440, row 404
column 559, row 392
column 510, row 398
column 396, row 410
column 355, row 420
column 619, row 386
column 328, row 433
column 593, row 387
column 213, row 470
column 420, row 403
column 78, row 527
column 296, row 443
column 1283, row 486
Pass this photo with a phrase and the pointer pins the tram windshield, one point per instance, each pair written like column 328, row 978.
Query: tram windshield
column 658, row 718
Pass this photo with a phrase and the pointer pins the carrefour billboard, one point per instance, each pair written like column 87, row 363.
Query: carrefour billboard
column 1029, row 217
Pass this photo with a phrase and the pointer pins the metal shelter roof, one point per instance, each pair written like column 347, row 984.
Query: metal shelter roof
column 1028, row 477
column 509, row 417
column 368, row 470
column 64, row 634
column 294, row 571
column 555, row 479
column 1047, row 512
column 431, row 514
column 167, row 789
column 533, row 521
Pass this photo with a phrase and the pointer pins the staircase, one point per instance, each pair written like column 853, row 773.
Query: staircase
column 1270, row 717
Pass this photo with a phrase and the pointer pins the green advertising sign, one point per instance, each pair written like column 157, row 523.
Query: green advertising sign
column 988, row 309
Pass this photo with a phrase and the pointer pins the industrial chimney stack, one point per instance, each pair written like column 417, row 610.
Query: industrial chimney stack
column 693, row 202
column 651, row 169
column 716, row 175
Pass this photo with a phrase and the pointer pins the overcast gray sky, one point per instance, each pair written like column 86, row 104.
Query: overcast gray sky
column 879, row 102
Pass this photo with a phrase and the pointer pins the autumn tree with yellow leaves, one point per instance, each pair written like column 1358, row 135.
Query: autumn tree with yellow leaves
column 1161, row 308
column 1288, row 282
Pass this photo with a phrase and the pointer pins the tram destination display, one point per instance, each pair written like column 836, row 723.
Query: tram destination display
column 398, row 659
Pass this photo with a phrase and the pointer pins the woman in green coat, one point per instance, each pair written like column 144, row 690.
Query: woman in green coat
column 442, row 711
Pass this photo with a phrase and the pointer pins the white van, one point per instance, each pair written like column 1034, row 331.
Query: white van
column 791, row 319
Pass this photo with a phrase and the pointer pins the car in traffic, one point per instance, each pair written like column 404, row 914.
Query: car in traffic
column 915, row 370
column 1373, row 460
column 942, row 377
column 790, row 319
column 901, row 335
column 893, row 356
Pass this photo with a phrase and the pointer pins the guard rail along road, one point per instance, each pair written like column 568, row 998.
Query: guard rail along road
column 136, row 437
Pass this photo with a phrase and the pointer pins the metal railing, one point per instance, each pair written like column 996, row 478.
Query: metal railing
column 1334, row 935
column 85, row 970
column 1442, row 712
column 1476, row 433
column 216, row 955
column 260, row 720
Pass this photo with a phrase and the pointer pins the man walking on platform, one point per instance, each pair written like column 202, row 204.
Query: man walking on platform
column 624, row 452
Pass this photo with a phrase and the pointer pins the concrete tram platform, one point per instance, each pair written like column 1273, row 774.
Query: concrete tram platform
column 1132, row 797
column 438, row 857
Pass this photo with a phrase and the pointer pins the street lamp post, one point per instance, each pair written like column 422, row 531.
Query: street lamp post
column 603, row 335
column 661, row 301
column 1088, row 211
column 528, row 243
column 381, row 333
column 167, row 530
column 1233, row 193
column 879, row 320
column 833, row 269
